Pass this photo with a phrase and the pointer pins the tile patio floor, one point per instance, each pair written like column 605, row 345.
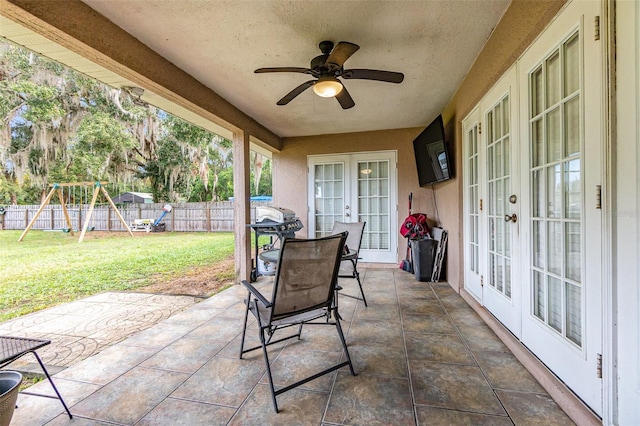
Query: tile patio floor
column 421, row 353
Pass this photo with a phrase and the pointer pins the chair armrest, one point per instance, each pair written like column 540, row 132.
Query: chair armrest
column 256, row 293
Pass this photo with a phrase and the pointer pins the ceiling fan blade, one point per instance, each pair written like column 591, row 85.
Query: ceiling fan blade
column 341, row 53
column 364, row 74
column 295, row 92
column 283, row 69
column 345, row 99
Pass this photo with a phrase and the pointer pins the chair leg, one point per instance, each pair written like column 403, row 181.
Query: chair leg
column 335, row 305
column 52, row 384
column 266, row 360
column 244, row 327
column 300, row 331
column 357, row 276
column 344, row 345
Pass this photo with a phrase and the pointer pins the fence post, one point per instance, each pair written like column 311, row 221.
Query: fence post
column 208, row 208
column 26, row 218
column 109, row 218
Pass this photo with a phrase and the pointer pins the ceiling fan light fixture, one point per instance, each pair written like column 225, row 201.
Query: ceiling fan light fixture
column 327, row 87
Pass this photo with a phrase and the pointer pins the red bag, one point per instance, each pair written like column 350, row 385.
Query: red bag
column 414, row 226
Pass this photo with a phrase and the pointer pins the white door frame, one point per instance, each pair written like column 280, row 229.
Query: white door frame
column 473, row 176
column 552, row 348
column 507, row 308
column 350, row 211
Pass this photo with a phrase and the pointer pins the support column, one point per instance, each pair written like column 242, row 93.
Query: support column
column 241, row 205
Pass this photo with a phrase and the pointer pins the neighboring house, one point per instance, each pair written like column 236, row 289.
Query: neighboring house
column 134, row 197
column 543, row 212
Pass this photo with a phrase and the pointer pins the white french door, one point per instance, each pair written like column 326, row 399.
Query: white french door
column 499, row 130
column 474, row 247
column 359, row 187
column 491, row 203
column 561, row 126
column 533, row 165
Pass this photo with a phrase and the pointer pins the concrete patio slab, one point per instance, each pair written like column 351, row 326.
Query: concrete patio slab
column 419, row 360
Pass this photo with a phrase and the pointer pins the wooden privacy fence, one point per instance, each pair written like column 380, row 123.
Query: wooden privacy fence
column 184, row 217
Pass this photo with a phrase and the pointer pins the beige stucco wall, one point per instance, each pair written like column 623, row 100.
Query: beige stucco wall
column 520, row 25
column 290, row 166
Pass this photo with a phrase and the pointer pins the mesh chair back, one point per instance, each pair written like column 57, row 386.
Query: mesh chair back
column 354, row 240
column 306, row 275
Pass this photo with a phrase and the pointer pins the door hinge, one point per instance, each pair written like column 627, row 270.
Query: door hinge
column 479, row 128
column 481, row 204
column 599, row 366
column 481, row 280
column 596, row 28
column 598, row 197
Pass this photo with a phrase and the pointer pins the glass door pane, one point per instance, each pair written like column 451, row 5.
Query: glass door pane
column 557, row 181
column 329, row 196
column 499, row 183
column 474, row 200
column 374, row 203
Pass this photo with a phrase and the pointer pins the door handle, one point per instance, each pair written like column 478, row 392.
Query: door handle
column 347, row 214
column 511, row 218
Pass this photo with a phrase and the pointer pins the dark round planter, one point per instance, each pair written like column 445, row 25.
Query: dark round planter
column 9, row 387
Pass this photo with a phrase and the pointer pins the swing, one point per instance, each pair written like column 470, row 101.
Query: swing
column 74, row 208
column 57, row 188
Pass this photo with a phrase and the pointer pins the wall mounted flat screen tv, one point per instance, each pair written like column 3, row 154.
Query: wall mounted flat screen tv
column 432, row 156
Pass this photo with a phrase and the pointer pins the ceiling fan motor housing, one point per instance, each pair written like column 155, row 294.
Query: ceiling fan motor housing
column 319, row 64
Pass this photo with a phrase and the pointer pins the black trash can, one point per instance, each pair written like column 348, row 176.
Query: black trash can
column 423, row 252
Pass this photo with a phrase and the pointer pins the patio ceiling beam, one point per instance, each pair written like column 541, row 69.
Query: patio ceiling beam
column 82, row 30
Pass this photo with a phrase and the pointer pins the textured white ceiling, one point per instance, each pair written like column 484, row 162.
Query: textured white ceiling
column 221, row 43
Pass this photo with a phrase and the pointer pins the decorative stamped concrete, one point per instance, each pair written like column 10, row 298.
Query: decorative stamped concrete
column 80, row 329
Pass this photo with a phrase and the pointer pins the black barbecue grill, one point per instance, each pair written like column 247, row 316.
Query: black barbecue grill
column 278, row 231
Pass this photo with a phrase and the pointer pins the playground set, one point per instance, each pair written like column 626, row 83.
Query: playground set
column 147, row 225
column 57, row 188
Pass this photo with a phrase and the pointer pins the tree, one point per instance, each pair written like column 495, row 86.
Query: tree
column 262, row 185
column 60, row 126
column 40, row 106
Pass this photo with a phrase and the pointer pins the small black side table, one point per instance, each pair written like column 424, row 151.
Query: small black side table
column 12, row 348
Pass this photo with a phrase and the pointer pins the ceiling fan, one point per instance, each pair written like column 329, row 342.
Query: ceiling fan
column 326, row 68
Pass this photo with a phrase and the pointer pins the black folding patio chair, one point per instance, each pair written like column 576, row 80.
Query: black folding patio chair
column 12, row 348
column 303, row 293
column 349, row 264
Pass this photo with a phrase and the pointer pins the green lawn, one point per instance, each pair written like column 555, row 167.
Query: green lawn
column 48, row 268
